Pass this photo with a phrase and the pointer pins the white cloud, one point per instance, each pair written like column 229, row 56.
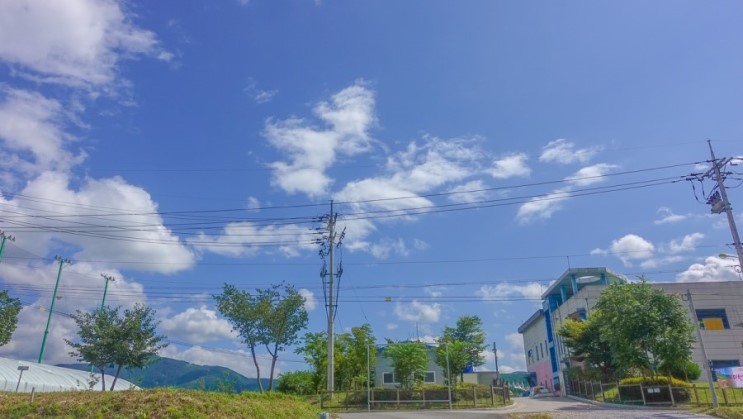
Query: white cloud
column 197, row 325
column 563, row 151
column 469, row 192
column 591, row 174
column 668, row 217
column 510, row 165
column 418, row 312
column 687, row 244
column 65, row 210
column 713, row 269
column 310, row 302
column 542, row 207
column 75, row 42
column 516, row 341
column 420, row 245
column 32, row 134
column 391, row 326
column 253, row 203
column 310, row 150
column 26, row 340
column 505, row 290
column 247, row 239
column 435, row 291
column 632, row 247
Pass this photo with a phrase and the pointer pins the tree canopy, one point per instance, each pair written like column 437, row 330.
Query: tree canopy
column 105, row 337
column 409, row 361
column 633, row 329
column 464, row 344
column 9, row 309
column 271, row 317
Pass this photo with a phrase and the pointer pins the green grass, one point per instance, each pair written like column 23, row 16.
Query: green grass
column 160, row 403
column 723, row 412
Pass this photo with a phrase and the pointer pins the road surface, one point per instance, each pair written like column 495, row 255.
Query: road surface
column 555, row 407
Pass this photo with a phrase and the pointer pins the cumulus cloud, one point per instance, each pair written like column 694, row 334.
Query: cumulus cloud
column 310, row 302
column 510, row 165
column 418, row 312
column 197, row 325
column 542, row 207
column 668, row 217
column 505, row 290
column 631, row 248
column 713, row 269
column 75, row 43
column 564, row 152
column 32, row 135
column 242, row 239
column 687, row 244
column 469, row 192
column 311, row 150
column 591, row 174
column 84, row 218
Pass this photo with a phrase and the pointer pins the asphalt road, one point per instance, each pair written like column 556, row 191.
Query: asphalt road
column 555, row 407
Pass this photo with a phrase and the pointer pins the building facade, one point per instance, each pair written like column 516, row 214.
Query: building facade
column 385, row 374
column 718, row 308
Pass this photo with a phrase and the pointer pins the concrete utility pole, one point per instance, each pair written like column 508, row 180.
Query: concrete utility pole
column 720, row 201
column 5, row 237
column 495, row 354
column 51, row 307
column 108, row 279
column 330, row 279
column 707, row 366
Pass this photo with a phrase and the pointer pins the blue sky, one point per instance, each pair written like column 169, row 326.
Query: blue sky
column 474, row 151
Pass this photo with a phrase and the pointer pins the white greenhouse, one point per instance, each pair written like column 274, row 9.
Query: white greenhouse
column 24, row 376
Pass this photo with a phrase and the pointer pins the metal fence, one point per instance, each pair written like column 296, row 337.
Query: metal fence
column 434, row 398
column 655, row 394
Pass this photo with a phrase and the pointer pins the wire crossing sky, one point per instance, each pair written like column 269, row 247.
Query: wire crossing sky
column 473, row 152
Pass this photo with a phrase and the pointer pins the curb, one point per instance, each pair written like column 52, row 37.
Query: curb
column 623, row 406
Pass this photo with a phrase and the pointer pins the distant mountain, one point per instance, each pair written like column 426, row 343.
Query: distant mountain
column 167, row 372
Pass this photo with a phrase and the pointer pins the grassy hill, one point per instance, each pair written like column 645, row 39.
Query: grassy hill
column 167, row 372
column 159, row 403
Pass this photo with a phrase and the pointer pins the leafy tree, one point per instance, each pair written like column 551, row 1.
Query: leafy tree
column 314, row 348
column 468, row 332
column 9, row 309
column 108, row 338
column 409, row 362
column 458, row 358
column 272, row 317
column 587, row 346
column 645, row 327
column 296, row 382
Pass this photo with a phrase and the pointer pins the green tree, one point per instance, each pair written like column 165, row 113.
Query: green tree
column 352, row 357
column 457, row 355
column 296, row 382
column 409, row 361
column 272, row 317
column 469, row 333
column 9, row 309
column 108, row 338
column 645, row 327
column 587, row 346
column 314, row 348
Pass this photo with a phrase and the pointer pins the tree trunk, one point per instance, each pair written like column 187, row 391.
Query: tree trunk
column 274, row 357
column 116, row 377
column 257, row 368
column 103, row 379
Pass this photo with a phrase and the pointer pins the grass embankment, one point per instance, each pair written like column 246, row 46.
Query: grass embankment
column 735, row 412
column 160, row 403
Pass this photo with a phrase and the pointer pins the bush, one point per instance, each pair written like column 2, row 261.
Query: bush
column 655, row 389
column 688, row 369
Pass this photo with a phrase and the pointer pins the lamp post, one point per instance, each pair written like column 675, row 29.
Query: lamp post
column 51, row 308
column 5, row 237
column 108, row 279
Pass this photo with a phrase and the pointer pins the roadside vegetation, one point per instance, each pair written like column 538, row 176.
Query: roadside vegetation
column 160, row 403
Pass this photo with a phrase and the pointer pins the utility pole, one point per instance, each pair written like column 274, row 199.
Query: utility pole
column 51, row 307
column 331, row 280
column 719, row 199
column 5, row 237
column 495, row 353
column 707, row 366
column 108, row 279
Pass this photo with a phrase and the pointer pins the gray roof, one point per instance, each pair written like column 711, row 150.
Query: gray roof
column 45, row 378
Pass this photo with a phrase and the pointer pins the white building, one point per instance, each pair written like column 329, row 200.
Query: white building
column 718, row 306
column 23, row 376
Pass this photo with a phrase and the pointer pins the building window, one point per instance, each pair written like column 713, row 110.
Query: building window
column 724, row 363
column 541, row 349
column 713, row 319
column 389, row 378
column 529, row 356
column 430, row 377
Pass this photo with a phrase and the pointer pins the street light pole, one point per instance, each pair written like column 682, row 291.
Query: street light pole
column 5, row 237
column 108, row 279
column 51, row 307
